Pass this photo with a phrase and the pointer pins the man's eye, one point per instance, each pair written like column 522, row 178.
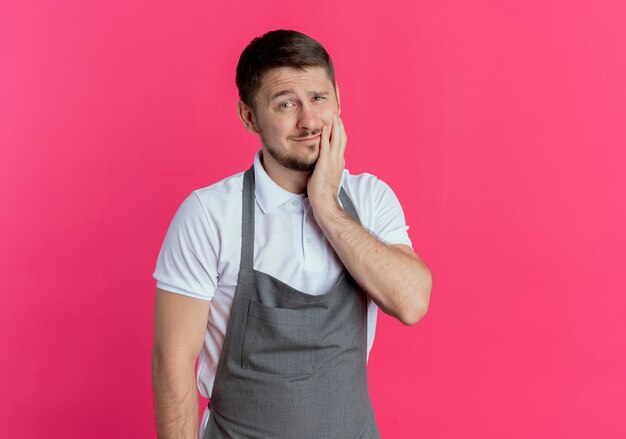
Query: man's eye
column 286, row 105
column 319, row 98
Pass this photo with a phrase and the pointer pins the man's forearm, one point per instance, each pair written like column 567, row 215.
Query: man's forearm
column 175, row 400
column 393, row 276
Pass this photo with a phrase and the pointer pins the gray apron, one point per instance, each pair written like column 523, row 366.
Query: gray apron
column 293, row 365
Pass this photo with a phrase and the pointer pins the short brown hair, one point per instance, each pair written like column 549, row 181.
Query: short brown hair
column 278, row 48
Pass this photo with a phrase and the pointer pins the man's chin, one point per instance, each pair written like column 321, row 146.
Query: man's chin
column 303, row 162
column 308, row 164
column 309, row 154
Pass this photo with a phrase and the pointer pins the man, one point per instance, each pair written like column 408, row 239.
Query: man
column 274, row 276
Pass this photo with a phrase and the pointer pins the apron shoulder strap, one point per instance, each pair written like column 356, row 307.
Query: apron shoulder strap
column 348, row 205
column 247, row 220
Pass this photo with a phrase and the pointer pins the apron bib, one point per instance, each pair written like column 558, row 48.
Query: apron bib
column 293, row 365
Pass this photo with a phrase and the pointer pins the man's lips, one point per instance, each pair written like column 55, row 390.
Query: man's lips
column 302, row 139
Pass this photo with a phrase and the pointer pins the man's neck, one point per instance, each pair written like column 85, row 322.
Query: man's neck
column 288, row 179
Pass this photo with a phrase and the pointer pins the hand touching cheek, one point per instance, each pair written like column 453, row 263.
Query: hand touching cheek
column 323, row 185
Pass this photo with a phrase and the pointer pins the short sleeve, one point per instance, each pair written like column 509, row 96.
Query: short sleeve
column 389, row 223
column 187, row 262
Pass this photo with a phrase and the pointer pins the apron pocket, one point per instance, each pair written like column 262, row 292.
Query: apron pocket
column 279, row 340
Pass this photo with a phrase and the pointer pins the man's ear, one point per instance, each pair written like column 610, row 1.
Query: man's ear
column 338, row 100
column 247, row 117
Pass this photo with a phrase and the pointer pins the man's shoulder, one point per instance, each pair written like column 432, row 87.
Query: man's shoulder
column 223, row 191
column 363, row 185
column 370, row 194
column 215, row 205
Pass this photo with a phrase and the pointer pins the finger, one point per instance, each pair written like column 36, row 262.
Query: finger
column 329, row 137
column 335, row 140
column 344, row 137
column 324, row 141
column 338, row 138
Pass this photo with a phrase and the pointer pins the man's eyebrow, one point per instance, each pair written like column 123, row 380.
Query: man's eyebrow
column 280, row 93
column 290, row 91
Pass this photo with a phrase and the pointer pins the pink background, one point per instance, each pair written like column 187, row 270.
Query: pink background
column 500, row 126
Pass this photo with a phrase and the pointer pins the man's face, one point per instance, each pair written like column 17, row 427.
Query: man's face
column 291, row 107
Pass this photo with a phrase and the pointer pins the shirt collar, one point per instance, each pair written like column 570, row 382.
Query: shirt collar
column 268, row 194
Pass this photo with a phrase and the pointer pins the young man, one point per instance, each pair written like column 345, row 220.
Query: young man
column 274, row 276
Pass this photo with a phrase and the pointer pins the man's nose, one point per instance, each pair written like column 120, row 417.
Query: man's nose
column 309, row 118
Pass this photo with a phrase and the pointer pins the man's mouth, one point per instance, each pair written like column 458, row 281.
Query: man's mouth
column 302, row 139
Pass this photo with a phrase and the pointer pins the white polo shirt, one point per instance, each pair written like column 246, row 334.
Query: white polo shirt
column 201, row 251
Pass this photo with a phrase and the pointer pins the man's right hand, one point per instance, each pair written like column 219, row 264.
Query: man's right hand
column 179, row 328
